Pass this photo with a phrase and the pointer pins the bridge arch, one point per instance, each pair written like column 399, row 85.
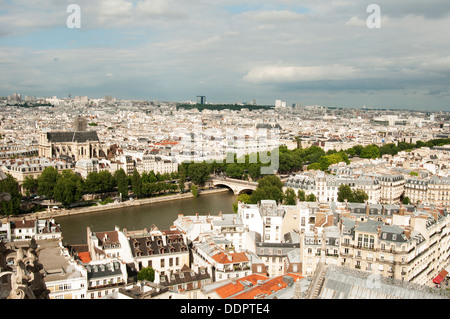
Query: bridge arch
column 223, row 185
column 246, row 191
column 237, row 186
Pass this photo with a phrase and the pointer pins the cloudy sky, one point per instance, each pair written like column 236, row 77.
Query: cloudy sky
column 310, row 52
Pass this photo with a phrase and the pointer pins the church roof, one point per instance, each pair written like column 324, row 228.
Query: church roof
column 77, row 136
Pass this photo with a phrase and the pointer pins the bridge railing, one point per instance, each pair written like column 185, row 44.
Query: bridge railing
column 233, row 180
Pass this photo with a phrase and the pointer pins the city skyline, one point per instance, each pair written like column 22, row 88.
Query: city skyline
column 315, row 54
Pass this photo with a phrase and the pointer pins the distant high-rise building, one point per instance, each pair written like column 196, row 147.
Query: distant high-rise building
column 201, row 99
column 279, row 103
column 79, row 124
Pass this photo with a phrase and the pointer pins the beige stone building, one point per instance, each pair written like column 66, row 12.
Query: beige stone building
column 415, row 248
column 392, row 187
column 75, row 145
column 433, row 191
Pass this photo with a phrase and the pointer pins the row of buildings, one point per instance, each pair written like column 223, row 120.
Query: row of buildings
column 406, row 243
column 420, row 175
column 201, row 255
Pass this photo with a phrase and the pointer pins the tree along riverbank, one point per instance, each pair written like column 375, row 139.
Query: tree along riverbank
column 54, row 213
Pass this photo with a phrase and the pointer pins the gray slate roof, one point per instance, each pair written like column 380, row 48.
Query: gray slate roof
column 80, row 137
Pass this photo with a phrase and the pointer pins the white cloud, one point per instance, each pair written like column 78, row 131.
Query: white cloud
column 356, row 22
column 162, row 8
column 280, row 74
column 274, row 16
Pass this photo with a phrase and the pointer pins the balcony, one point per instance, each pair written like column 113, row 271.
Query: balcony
column 99, row 287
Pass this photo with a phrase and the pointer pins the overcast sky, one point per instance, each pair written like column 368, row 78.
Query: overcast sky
column 311, row 52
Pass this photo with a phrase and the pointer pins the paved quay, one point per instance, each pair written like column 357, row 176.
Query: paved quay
column 90, row 209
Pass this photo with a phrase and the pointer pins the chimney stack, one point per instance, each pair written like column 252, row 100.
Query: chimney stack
column 408, row 232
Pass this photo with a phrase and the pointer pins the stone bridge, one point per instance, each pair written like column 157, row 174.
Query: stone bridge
column 236, row 185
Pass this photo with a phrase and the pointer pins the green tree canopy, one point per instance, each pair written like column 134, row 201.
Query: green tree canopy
column 269, row 187
column 290, row 197
column 146, row 273
column 352, row 196
column 311, row 198
column 234, row 170
column 199, row 173
column 68, row 188
column 136, row 184
column 370, row 151
column 30, row 184
column 47, row 181
column 11, row 186
column 122, row 182
column 194, row 190
column 301, row 195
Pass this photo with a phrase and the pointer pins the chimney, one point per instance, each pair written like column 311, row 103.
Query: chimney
column 164, row 238
column 157, row 277
column 379, row 231
column 408, row 232
column 367, row 208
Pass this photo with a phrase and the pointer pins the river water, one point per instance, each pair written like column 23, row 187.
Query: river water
column 139, row 217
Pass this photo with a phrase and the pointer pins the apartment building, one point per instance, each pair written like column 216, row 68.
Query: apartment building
column 33, row 167
column 156, row 164
column 414, row 248
column 105, row 278
column 161, row 250
column 438, row 190
column 391, row 188
column 187, row 281
column 278, row 257
column 225, row 263
column 416, row 190
column 86, row 166
column 433, row 190
column 265, row 218
column 24, row 229
column 319, row 247
column 325, row 186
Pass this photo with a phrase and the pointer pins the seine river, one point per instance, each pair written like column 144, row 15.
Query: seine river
column 139, row 217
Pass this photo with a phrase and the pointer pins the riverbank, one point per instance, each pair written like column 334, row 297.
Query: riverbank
column 99, row 208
